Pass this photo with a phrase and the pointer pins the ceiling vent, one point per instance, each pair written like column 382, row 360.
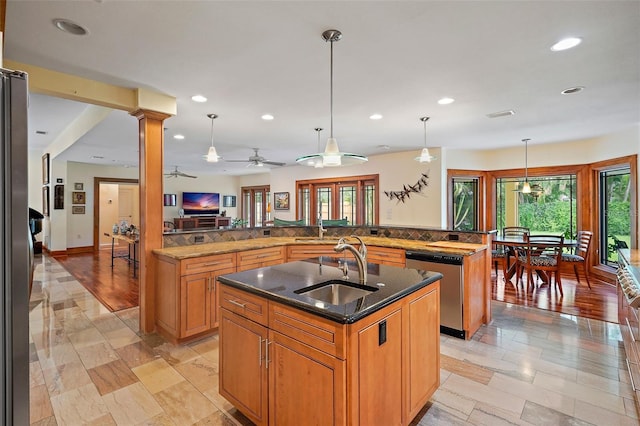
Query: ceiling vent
column 501, row 113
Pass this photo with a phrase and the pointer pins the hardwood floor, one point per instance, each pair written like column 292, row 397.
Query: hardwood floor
column 116, row 287
column 600, row 302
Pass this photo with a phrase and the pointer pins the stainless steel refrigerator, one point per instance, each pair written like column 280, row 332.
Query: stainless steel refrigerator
column 17, row 260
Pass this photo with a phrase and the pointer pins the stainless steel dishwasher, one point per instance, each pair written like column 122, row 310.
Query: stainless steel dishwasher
column 451, row 286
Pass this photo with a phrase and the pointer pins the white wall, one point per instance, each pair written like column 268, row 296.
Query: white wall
column 224, row 185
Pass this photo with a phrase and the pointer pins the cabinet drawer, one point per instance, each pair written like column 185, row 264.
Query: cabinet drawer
column 245, row 304
column 207, row 263
column 386, row 256
column 261, row 257
column 307, row 251
column 320, row 333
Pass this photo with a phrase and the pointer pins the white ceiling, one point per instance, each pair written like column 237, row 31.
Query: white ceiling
column 396, row 58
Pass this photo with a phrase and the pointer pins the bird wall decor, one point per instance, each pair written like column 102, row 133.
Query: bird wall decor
column 407, row 189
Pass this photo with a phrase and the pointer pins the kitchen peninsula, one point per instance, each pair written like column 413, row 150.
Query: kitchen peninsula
column 186, row 290
column 290, row 353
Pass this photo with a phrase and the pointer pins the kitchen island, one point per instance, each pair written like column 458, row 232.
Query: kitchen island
column 294, row 352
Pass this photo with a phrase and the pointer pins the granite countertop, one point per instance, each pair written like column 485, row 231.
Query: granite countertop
column 198, row 250
column 280, row 282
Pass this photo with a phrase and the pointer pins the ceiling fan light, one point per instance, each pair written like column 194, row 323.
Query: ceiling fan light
column 318, row 164
column 212, row 155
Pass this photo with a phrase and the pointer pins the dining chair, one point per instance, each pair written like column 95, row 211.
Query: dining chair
column 501, row 253
column 541, row 255
column 581, row 254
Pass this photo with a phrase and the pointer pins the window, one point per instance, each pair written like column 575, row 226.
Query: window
column 354, row 198
column 615, row 213
column 465, row 196
column 549, row 208
column 255, row 205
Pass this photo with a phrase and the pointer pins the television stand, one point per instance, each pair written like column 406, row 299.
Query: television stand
column 198, row 222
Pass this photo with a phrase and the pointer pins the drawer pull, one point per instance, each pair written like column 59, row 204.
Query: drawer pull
column 266, row 353
column 213, row 263
column 259, row 351
column 233, row 302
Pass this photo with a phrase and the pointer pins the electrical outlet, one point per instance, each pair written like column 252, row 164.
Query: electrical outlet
column 454, row 237
column 266, row 232
column 373, row 231
column 198, row 238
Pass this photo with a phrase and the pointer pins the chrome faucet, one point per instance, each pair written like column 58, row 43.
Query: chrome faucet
column 321, row 230
column 360, row 255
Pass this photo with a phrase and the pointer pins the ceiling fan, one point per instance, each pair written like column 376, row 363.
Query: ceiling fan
column 177, row 173
column 257, row 160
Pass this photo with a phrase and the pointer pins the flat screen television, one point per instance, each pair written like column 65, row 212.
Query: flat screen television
column 201, row 203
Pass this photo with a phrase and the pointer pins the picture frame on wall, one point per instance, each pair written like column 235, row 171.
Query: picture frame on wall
column 77, row 209
column 58, row 197
column 78, row 186
column 281, row 200
column 78, row 197
column 45, row 201
column 228, row 201
column 45, row 169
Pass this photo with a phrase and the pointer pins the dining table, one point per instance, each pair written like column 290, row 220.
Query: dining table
column 512, row 243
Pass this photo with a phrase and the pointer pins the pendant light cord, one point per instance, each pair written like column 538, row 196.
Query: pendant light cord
column 526, row 160
column 331, row 89
column 212, row 118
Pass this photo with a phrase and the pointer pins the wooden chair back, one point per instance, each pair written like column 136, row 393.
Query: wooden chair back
column 583, row 241
column 515, row 231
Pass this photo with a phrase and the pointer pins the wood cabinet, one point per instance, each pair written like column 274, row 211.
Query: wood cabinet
column 258, row 258
column 628, row 286
column 295, row 365
column 386, row 256
column 187, row 296
column 308, row 251
column 201, row 222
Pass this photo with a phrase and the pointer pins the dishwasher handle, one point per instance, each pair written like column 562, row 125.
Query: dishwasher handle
column 434, row 257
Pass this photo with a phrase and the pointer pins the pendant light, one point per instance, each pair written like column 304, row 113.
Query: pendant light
column 331, row 157
column 526, row 188
column 425, row 156
column 212, row 156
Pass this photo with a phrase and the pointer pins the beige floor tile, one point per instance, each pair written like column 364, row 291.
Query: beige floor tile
column 95, row 355
column 57, row 355
column 159, row 420
column 157, row 375
column 533, row 393
column 35, row 374
column 108, row 322
column 49, row 421
column 200, row 372
column 490, row 396
column 87, row 337
column 121, row 337
column 62, row 378
column 489, row 415
column 581, row 393
column 454, row 403
column 78, row 406
column 39, row 404
column 175, row 354
column 132, row 405
column 184, row 404
column 615, row 387
column 136, row 354
column 218, row 418
column 46, row 337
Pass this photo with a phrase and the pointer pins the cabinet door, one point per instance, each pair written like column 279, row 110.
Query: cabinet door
column 243, row 373
column 424, row 350
column 306, row 386
column 380, row 377
column 195, row 302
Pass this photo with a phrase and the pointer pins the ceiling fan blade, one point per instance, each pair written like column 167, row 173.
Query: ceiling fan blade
column 238, row 161
column 273, row 163
column 186, row 175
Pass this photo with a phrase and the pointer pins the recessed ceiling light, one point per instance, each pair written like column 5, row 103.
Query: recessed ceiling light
column 178, row 137
column 446, row 101
column 572, row 90
column 41, row 132
column 566, row 43
column 375, row 116
column 97, row 157
column 198, row 98
column 501, row 113
column 69, row 27
column 267, row 117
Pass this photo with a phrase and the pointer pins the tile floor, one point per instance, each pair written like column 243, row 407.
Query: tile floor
column 529, row 367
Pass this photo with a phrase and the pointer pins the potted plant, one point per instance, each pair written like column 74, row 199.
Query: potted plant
column 238, row 222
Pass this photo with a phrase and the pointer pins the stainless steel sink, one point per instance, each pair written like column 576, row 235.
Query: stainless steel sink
column 336, row 292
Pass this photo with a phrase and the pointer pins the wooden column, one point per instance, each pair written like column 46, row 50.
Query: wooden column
column 151, row 136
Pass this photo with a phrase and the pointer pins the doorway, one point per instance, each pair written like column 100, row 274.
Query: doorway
column 116, row 200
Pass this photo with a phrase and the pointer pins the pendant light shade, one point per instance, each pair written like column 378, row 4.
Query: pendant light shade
column 331, row 157
column 425, row 156
column 212, row 155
